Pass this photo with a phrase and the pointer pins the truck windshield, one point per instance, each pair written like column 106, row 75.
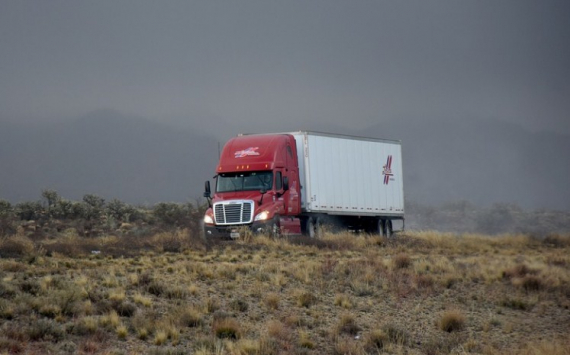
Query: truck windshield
column 245, row 181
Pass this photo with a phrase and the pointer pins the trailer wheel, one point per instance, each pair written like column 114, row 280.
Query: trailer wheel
column 380, row 227
column 388, row 232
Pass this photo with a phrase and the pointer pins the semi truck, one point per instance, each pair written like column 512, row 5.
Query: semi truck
column 305, row 182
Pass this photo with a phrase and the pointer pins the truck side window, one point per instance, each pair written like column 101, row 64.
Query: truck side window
column 278, row 181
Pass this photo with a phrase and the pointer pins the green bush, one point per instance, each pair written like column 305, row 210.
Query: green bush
column 30, row 210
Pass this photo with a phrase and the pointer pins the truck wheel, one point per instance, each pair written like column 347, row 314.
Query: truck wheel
column 314, row 227
column 275, row 230
column 388, row 233
column 380, row 227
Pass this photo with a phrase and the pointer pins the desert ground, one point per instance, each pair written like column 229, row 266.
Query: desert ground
column 420, row 292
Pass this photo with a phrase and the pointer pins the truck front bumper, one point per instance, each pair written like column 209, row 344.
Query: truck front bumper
column 236, row 231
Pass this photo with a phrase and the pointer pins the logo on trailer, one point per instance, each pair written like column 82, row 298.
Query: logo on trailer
column 387, row 170
column 247, row 152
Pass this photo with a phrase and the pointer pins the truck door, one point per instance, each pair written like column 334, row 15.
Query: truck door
column 292, row 195
column 293, row 203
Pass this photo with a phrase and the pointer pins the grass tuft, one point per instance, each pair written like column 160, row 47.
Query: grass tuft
column 226, row 328
column 532, row 283
column 402, row 261
column 347, row 324
column 396, row 334
column 452, row 321
column 239, row 305
column 376, row 340
column 191, row 317
column 305, row 299
column 271, row 300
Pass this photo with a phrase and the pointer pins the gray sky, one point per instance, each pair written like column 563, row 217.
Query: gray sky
column 344, row 62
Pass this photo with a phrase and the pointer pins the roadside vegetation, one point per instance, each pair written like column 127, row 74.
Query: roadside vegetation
column 149, row 284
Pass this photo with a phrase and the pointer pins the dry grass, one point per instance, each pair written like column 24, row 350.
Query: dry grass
column 227, row 328
column 419, row 293
column 452, row 321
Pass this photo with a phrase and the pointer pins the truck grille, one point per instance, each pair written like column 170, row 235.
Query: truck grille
column 233, row 212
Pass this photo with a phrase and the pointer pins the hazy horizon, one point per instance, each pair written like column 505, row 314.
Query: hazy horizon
column 488, row 82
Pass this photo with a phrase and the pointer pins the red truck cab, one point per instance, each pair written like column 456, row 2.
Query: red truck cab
column 256, row 186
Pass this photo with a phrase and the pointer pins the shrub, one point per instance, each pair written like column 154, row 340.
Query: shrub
column 6, row 217
column 176, row 291
column 6, row 290
column 343, row 301
column 64, row 209
column 361, row 288
column 532, row 283
column 557, row 240
column 45, row 329
column 271, row 300
column 226, row 328
column 32, row 287
column 347, row 324
column 424, row 281
column 515, row 303
column 121, row 211
column 519, row 270
column 278, row 330
column 142, row 300
column 49, row 310
column 376, row 340
column 172, row 214
column 191, row 317
column 6, row 309
column 11, row 346
column 172, row 242
column 239, row 305
column 5, row 208
column 125, row 309
column 16, row 246
column 402, row 261
column 122, row 331
column 396, row 334
column 346, row 346
column 28, row 211
column 305, row 299
column 156, row 288
column 92, row 207
column 160, row 337
column 452, row 321
column 305, row 341
column 212, row 305
column 85, row 326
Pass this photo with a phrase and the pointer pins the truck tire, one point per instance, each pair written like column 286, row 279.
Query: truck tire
column 388, row 232
column 314, row 229
column 275, row 228
column 380, row 223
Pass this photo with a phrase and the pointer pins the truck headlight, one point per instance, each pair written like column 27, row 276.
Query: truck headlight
column 208, row 219
column 262, row 216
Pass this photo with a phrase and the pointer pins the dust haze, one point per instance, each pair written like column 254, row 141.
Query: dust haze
column 130, row 99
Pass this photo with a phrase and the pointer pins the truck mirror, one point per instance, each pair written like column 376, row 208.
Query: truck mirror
column 285, row 183
column 207, row 191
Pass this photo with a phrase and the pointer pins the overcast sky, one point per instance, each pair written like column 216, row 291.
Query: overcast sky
column 346, row 62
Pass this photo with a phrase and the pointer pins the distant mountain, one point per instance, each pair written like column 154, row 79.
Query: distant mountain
column 108, row 154
column 137, row 160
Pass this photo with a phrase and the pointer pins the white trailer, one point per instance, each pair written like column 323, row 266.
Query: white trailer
column 353, row 178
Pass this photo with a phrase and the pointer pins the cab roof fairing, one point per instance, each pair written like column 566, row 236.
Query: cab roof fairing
column 253, row 153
